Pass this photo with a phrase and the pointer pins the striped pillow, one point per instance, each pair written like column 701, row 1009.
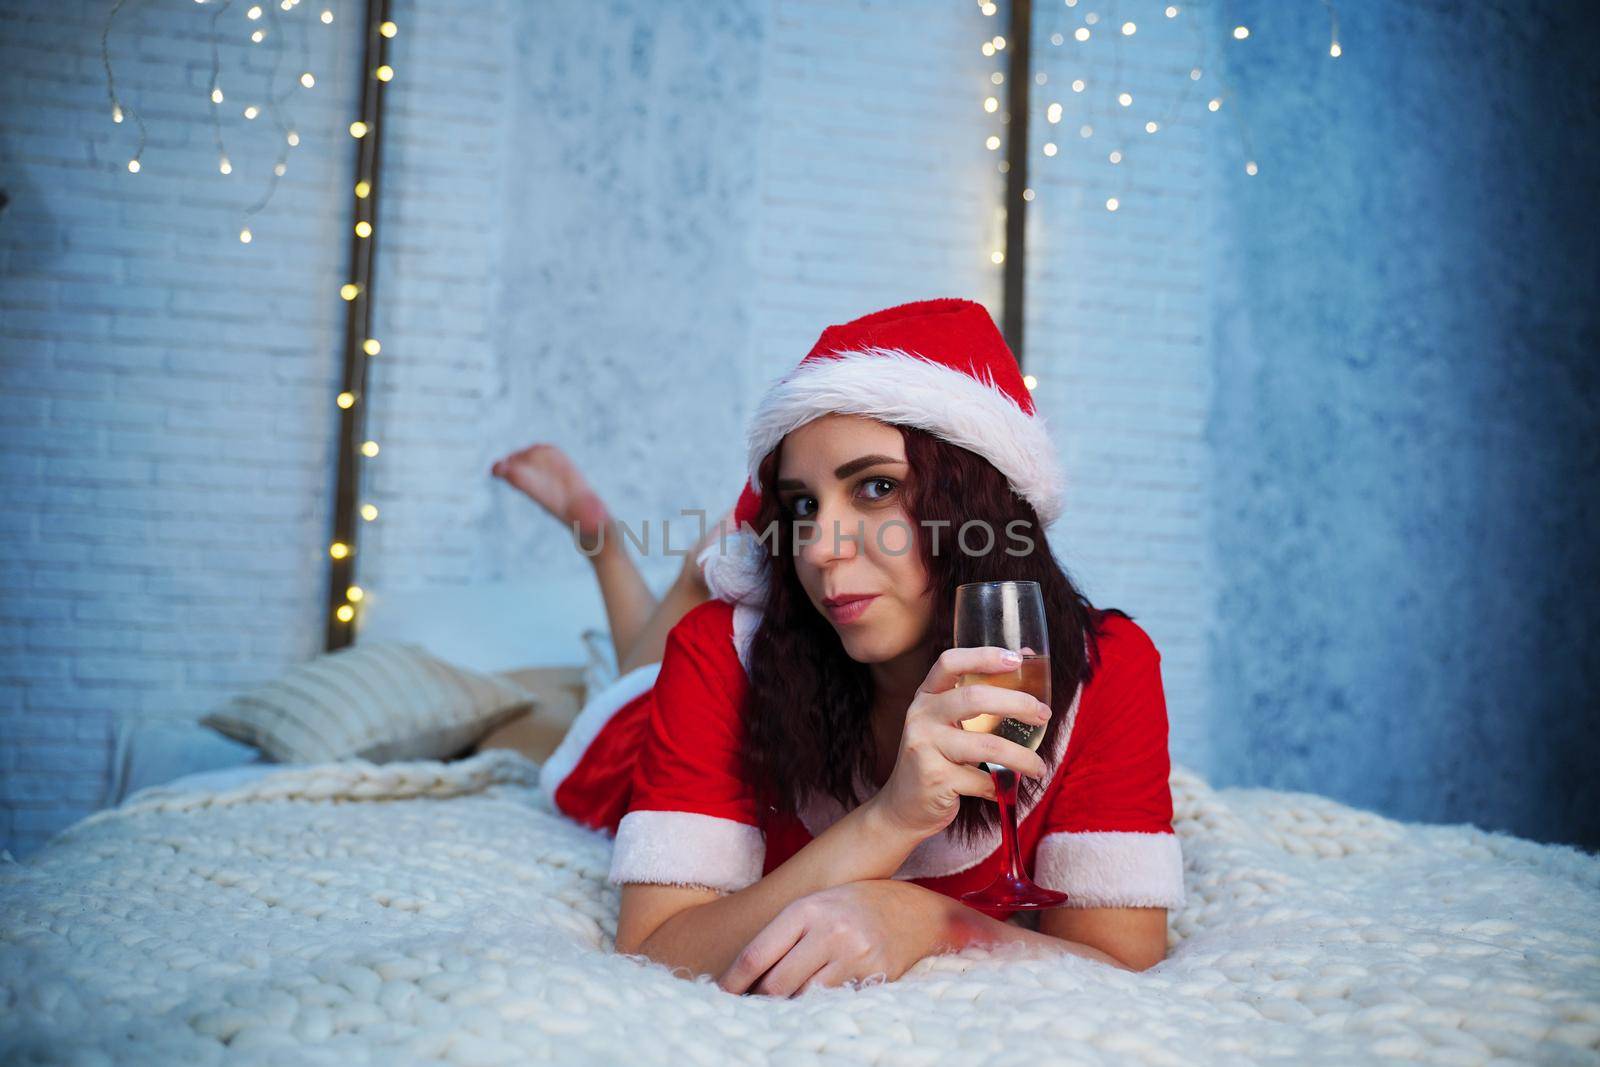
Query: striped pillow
column 380, row 702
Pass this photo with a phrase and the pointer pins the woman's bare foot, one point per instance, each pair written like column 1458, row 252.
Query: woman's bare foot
column 552, row 480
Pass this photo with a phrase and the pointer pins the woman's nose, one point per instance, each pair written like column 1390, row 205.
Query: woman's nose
column 835, row 535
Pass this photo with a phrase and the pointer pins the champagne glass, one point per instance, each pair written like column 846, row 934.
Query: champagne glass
column 1008, row 615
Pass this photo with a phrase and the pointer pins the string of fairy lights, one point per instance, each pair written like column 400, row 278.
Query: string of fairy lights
column 268, row 23
column 1093, row 28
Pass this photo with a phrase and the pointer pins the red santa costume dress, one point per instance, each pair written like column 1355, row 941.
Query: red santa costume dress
column 654, row 758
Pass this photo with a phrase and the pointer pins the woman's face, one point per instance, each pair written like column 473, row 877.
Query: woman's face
column 841, row 483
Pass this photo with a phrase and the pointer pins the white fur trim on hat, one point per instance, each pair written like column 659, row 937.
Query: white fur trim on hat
column 902, row 388
column 687, row 848
column 1112, row 868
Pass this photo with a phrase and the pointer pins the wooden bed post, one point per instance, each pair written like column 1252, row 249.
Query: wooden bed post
column 1020, row 40
column 359, row 343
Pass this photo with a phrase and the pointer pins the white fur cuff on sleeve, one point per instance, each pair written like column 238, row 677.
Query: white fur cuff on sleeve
column 686, row 848
column 1112, row 869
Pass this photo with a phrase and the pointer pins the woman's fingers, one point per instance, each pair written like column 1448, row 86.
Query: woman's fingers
column 806, row 958
column 763, row 951
column 970, row 701
column 968, row 747
column 971, row 782
column 954, row 662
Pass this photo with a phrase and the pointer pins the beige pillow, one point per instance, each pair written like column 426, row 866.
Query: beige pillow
column 380, row 702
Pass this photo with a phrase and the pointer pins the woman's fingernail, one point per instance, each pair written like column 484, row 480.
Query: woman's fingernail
column 1012, row 658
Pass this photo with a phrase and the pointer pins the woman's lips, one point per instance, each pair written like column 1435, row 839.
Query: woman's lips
column 851, row 610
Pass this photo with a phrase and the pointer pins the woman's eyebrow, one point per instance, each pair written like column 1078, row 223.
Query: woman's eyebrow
column 845, row 470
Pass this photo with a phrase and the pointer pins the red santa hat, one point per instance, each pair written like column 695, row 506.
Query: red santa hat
column 939, row 365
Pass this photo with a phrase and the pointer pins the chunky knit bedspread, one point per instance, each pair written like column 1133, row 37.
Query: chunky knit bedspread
column 440, row 912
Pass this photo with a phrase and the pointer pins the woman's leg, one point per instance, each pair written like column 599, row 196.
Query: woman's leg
column 550, row 478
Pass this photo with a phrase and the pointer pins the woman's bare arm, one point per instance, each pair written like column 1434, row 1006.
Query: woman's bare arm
column 704, row 932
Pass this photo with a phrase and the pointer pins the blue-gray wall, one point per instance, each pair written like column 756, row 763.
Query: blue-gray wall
column 1404, row 424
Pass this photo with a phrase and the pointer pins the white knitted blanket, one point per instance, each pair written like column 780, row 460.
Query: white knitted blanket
column 441, row 913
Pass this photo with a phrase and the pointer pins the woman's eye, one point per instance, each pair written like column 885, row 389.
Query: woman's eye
column 888, row 483
column 797, row 507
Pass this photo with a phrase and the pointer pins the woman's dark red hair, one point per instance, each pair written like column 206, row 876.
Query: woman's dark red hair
column 807, row 704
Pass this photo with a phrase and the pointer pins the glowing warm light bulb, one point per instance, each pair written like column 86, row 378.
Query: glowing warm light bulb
column 1056, row 38
column 1053, row 113
column 992, row 143
column 133, row 166
column 371, row 346
column 388, row 29
column 1172, row 12
column 1194, row 75
column 1081, row 33
column 1115, row 156
column 1049, row 148
column 1334, row 50
column 363, row 228
column 1112, row 204
column 362, row 189
column 1215, row 103
column 254, row 13
column 1241, row 32
column 1129, row 29
column 1250, row 167
column 354, row 594
column 997, row 78
column 345, row 613
column 251, row 112
column 293, row 139
column 225, row 166
column 1030, row 381
column 1125, row 99
column 327, row 17
column 999, row 43
column 1027, row 194
column 216, row 96
column 346, row 400
column 988, row 9
column 244, row 236
column 1152, row 126
column 369, row 449
column 1086, row 131
column 988, row 48
column 278, row 169
column 369, row 511
column 358, row 128
column 349, row 290
column 1077, row 85
column 307, row 80
column 259, row 36
column 990, row 104
column 998, row 258
column 384, row 73
column 338, row 550
column 116, row 114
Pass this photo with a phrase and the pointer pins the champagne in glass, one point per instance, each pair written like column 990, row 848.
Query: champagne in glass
column 1033, row 678
column 1008, row 615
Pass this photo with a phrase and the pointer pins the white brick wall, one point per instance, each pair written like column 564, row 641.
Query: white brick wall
column 165, row 390
column 1118, row 327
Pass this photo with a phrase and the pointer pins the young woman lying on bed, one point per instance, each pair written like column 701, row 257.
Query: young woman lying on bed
column 769, row 763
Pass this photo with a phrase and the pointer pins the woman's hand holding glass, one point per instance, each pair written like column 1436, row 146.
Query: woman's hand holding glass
column 937, row 763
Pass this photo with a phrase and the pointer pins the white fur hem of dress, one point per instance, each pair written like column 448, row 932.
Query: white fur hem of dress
column 597, row 711
column 1112, row 869
column 687, row 848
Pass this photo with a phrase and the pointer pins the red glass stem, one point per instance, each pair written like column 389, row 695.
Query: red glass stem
column 1005, row 794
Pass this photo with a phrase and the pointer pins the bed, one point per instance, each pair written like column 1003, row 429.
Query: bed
column 435, row 911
